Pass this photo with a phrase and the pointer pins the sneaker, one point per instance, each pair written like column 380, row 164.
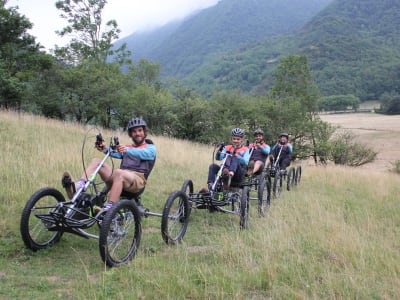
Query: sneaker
column 68, row 184
column 250, row 168
column 108, row 205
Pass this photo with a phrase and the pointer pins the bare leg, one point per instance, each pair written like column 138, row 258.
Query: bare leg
column 258, row 165
column 124, row 180
column 105, row 172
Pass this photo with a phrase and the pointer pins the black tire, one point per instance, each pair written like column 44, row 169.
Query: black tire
column 290, row 179
column 187, row 187
column 120, row 234
column 175, row 217
column 244, row 208
column 264, row 197
column 277, row 185
column 34, row 231
column 298, row 175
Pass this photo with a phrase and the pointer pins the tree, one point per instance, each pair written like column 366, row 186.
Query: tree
column 89, row 41
column 340, row 102
column 20, row 56
column 296, row 97
column 390, row 103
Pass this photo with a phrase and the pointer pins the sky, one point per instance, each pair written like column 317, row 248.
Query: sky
column 131, row 16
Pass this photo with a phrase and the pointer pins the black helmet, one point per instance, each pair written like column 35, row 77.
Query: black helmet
column 284, row 134
column 136, row 122
column 237, row 132
column 258, row 131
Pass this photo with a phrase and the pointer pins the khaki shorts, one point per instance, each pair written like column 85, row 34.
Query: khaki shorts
column 138, row 181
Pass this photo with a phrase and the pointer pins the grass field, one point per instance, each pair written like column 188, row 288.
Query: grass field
column 334, row 237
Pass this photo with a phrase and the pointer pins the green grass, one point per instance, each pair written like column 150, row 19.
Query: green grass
column 333, row 237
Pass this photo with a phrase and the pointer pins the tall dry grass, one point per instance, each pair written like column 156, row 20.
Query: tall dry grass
column 333, row 237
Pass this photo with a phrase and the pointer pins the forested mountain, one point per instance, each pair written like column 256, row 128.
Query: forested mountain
column 181, row 48
column 141, row 44
column 353, row 47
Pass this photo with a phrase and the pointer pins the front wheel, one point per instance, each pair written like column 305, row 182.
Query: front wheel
column 36, row 232
column 187, row 187
column 264, row 197
column 120, row 234
column 290, row 179
column 175, row 217
column 244, row 208
column 277, row 185
column 298, row 175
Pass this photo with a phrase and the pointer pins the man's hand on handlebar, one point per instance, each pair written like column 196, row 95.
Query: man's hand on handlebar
column 100, row 145
column 121, row 148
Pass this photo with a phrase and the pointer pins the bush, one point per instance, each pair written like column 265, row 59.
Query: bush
column 390, row 104
column 346, row 152
column 396, row 166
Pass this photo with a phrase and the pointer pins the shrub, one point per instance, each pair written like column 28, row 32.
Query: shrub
column 346, row 152
column 396, row 166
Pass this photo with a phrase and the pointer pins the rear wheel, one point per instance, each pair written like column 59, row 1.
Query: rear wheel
column 290, row 179
column 298, row 175
column 36, row 232
column 264, row 197
column 277, row 185
column 120, row 234
column 244, row 208
column 175, row 217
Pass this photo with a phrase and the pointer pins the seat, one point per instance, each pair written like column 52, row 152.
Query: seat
column 130, row 195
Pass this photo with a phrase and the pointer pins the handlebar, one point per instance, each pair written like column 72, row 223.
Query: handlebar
column 114, row 142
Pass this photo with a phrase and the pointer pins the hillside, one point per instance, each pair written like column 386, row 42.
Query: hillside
column 334, row 237
column 353, row 47
column 227, row 26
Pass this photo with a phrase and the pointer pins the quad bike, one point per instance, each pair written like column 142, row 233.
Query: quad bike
column 234, row 200
column 48, row 215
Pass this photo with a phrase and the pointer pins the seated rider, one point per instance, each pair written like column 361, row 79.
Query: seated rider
column 259, row 152
column 284, row 147
column 234, row 170
column 137, row 161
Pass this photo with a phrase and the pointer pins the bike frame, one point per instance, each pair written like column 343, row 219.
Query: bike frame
column 277, row 159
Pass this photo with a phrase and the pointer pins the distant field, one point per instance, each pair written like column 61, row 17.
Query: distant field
column 380, row 132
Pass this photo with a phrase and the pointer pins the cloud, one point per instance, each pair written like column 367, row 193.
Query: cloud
column 131, row 15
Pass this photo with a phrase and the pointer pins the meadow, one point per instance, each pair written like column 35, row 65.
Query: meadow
column 333, row 237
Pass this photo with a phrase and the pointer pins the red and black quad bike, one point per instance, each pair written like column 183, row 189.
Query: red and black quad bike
column 234, row 200
column 48, row 215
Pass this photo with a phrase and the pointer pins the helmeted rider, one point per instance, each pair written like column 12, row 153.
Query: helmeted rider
column 235, row 164
column 259, row 152
column 137, row 161
column 285, row 156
